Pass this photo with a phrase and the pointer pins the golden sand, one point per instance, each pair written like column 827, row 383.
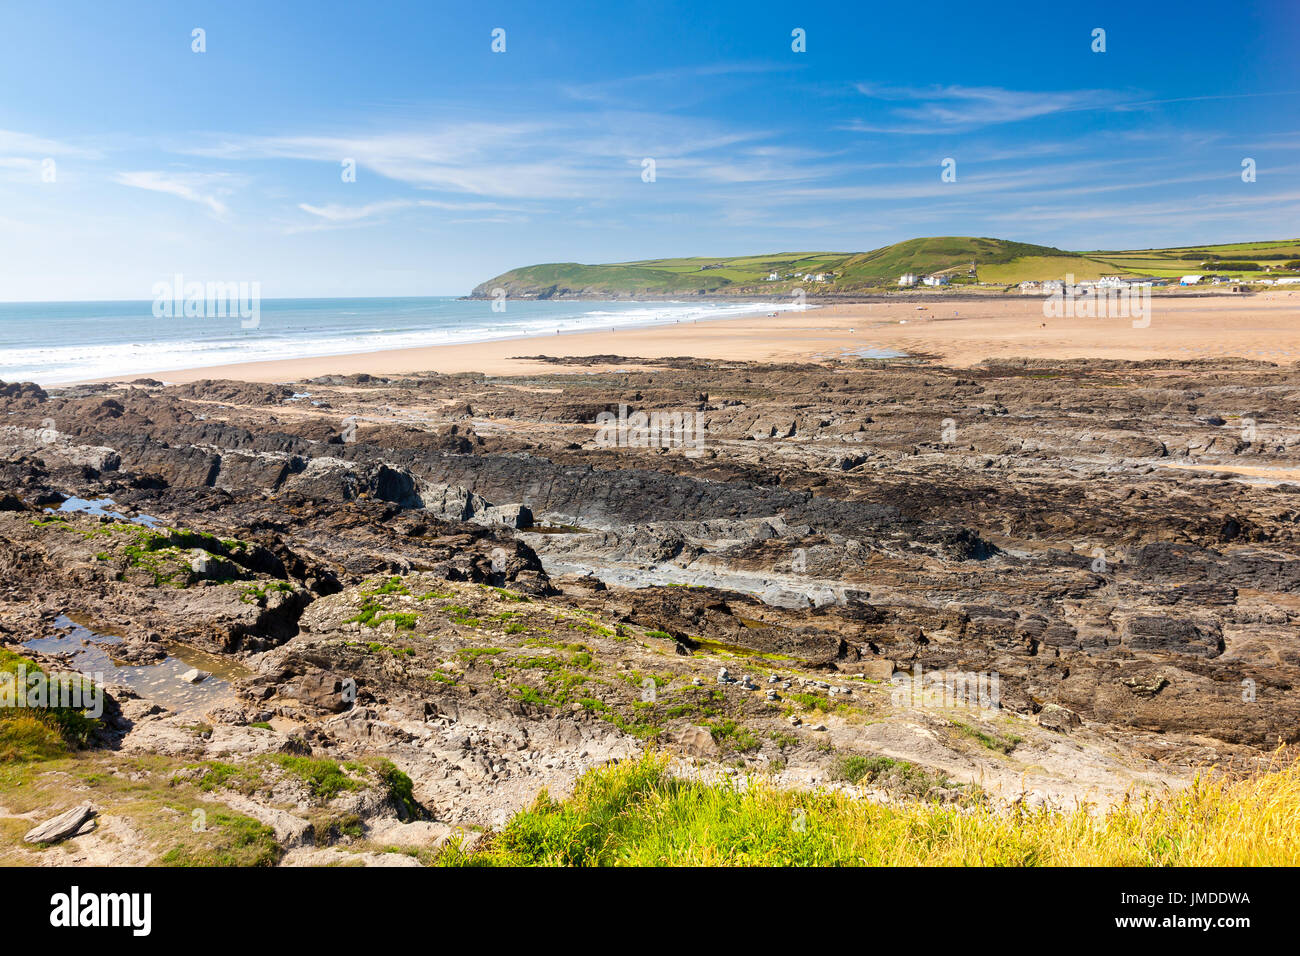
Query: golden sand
column 954, row 333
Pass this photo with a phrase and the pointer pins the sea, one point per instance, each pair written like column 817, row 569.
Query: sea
column 57, row 342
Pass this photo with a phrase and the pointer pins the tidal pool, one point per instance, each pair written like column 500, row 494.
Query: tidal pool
column 90, row 652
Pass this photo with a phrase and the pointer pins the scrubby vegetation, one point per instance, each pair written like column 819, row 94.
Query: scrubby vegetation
column 41, row 732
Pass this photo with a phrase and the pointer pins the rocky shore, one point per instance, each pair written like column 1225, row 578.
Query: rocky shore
column 370, row 616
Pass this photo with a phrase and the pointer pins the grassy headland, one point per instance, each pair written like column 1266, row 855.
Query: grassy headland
column 965, row 261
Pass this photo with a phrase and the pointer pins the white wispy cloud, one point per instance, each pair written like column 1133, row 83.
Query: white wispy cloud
column 340, row 215
column 202, row 188
column 662, row 83
column 955, row 108
column 13, row 143
column 333, row 212
column 22, row 155
column 567, row 156
column 1264, row 210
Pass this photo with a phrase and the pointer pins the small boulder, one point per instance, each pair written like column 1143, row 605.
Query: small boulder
column 512, row 516
column 878, row 669
column 697, row 742
column 1058, row 718
column 72, row 823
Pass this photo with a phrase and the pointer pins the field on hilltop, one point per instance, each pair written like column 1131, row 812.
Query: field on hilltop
column 967, row 262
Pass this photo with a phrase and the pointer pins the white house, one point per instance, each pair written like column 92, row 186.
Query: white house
column 935, row 280
column 773, row 276
column 1190, row 280
column 907, row 279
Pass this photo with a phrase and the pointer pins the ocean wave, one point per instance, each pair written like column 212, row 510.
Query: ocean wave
column 85, row 346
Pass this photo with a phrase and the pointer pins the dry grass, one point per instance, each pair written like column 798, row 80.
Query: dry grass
column 637, row 814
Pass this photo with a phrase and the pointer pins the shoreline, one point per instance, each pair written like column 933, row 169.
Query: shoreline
column 957, row 333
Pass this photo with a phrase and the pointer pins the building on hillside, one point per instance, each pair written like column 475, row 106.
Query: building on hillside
column 907, row 280
column 773, row 276
column 1190, row 280
column 1031, row 287
column 1053, row 286
column 935, row 280
column 1291, row 280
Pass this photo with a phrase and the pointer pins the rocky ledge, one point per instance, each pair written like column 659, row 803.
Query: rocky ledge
column 358, row 618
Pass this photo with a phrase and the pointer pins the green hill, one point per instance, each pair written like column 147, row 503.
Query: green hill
column 996, row 263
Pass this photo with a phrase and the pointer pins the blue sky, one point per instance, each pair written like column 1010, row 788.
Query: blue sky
column 226, row 165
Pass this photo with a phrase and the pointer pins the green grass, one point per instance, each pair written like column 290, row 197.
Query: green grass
column 42, row 732
column 218, row 775
column 254, row 593
column 230, row 839
column 898, row 776
column 636, row 813
column 324, row 778
column 26, row 738
column 474, row 653
column 731, row 736
column 370, row 615
column 1001, row 743
column 393, row 585
column 400, row 790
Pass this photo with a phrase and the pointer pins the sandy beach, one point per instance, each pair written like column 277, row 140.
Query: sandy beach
column 954, row 333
